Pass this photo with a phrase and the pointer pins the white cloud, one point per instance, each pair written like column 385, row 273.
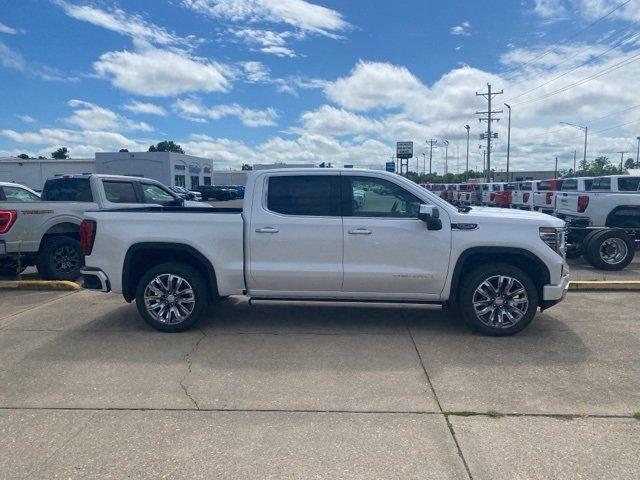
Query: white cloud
column 266, row 41
column 145, row 108
column 301, row 14
column 89, row 116
column 328, row 120
column 194, row 110
column 255, row 72
column 462, row 29
column 550, row 9
column 26, row 118
column 121, row 22
column 159, row 73
column 4, row 28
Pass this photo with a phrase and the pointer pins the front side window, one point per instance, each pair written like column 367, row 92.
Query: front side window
column 154, row 194
column 628, row 184
column 306, row 195
column 120, row 192
column 17, row 194
column 376, row 197
column 601, row 183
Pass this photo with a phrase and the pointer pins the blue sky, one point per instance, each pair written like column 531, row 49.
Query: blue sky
column 293, row 80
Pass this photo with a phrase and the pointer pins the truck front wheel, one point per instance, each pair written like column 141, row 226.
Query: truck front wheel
column 498, row 300
column 171, row 297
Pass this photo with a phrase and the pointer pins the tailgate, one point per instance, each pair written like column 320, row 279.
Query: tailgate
column 567, row 203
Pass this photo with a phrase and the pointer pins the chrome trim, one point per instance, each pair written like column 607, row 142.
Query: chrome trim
column 104, row 281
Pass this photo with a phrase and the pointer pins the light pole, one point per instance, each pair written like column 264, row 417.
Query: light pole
column 638, row 154
column 621, row 161
column 508, row 139
column 424, row 163
column 581, row 127
column 446, row 156
column 466, row 174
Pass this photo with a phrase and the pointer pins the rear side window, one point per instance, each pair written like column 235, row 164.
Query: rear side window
column 120, row 192
column 588, row 184
column 496, row 188
column 570, row 184
column 308, row 195
column 67, row 190
column 544, row 185
column 601, row 183
column 628, row 184
column 17, row 194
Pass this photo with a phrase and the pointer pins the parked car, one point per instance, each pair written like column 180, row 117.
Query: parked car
column 522, row 196
column 503, row 198
column 182, row 192
column 544, row 198
column 603, row 223
column 239, row 190
column 489, row 191
column 301, row 236
column 45, row 231
column 217, row 192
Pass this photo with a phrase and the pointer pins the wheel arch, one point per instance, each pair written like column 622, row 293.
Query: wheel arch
column 143, row 256
column 518, row 257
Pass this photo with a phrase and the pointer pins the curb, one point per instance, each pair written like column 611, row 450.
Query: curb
column 605, row 285
column 39, row 285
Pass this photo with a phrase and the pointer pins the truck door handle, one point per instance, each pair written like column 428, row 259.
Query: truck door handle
column 360, row 231
column 267, row 230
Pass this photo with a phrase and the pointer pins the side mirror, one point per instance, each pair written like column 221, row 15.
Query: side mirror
column 430, row 214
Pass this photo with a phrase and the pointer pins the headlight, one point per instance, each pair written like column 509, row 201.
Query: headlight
column 555, row 238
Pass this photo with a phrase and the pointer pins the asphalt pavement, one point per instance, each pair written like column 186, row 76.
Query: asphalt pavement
column 88, row 390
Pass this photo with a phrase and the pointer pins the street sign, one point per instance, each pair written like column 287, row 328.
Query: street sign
column 404, row 149
column 390, row 166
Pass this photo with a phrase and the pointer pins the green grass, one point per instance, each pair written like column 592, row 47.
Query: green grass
column 636, row 415
column 494, row 414
column 467, row 413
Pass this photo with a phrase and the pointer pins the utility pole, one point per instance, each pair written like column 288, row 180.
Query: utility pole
column 575, row 173
column 466, row 174
column 431, row 143
column 446, row 156
column 621, row 161
column 638, row 154
column 508, row 139
column 586, row 129
column 489, row 118
column 424, row 163
column 556, row 170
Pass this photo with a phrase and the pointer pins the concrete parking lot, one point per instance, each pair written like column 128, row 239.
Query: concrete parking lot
column 87, row 390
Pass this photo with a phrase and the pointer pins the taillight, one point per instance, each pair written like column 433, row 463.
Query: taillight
column 525, row 197
column 87, row 236
column 583, row 203
column 7, row 219
column 548, row 198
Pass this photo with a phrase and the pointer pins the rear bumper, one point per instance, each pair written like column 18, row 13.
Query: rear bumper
column 95, row 279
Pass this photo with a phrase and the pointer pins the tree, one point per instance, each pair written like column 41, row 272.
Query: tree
column 246, row 166
column 60, row 154
column 122, row 150
column 629, row 164
column 166, row 146
column 24, row 156
column 40, row 157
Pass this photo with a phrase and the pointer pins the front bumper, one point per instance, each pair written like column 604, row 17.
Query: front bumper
column 95, row 279
column 555, row 293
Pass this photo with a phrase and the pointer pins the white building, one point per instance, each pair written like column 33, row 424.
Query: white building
column 172, row 169
column 34, row 172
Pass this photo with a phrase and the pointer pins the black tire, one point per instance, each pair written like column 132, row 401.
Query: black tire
column 473, row 281
column 60, row 258
column 200, row 296
column 599, row 256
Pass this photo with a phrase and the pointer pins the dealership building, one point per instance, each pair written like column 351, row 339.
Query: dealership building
column 34, row 172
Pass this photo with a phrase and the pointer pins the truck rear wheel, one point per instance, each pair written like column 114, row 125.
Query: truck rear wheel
column 60, row 258
column 171, row 297
column 498, row 300
column 610, row 250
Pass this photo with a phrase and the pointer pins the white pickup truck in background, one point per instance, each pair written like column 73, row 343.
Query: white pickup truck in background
column 45, row 231
column 522, row 196
column 303, row 235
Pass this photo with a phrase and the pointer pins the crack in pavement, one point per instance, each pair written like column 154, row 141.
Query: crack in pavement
column 187, row 358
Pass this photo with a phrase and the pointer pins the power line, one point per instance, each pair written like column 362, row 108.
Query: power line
column 584, row 80
column 591, row 60
column 618, row 126
column 545, row 53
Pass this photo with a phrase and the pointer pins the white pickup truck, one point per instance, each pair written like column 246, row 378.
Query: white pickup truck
column 302, row 235
column 522, row 196
column 44, row 231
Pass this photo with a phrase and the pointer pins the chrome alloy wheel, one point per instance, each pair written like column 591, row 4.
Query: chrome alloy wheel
column 613, row 251
column 169, row 299
column 500, row 301
column 66, row 259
